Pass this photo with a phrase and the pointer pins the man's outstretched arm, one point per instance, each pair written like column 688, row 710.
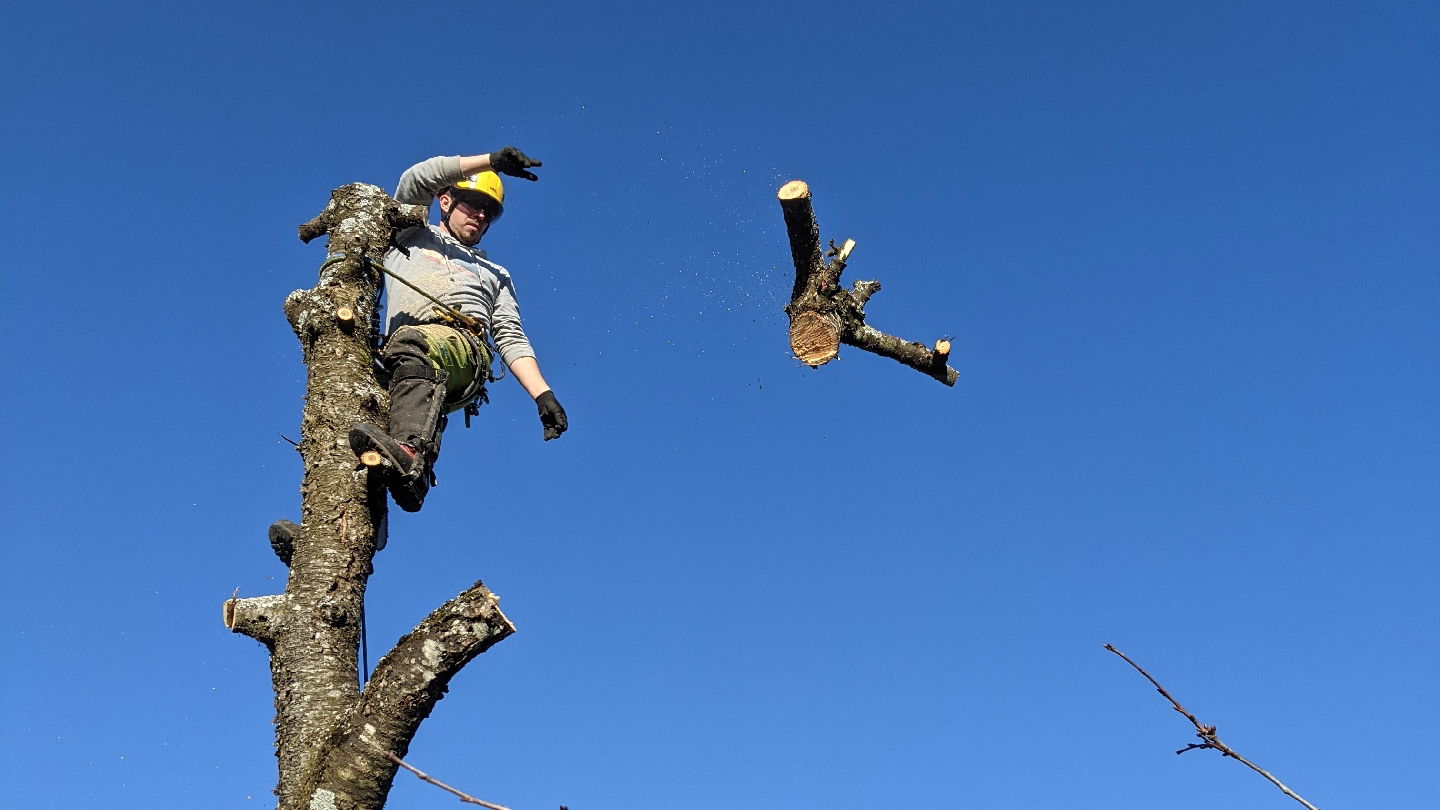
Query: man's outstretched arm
column 552, row 416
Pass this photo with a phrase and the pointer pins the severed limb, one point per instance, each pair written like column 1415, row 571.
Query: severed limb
column 823, row 315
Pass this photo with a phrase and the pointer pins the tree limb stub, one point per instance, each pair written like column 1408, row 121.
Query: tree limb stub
column 258, row 617
column 823, row 315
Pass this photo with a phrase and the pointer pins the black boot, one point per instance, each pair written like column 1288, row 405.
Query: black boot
column 407, row 474
column 282, row 539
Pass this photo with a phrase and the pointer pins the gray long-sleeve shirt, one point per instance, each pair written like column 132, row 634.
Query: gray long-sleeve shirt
column 460, row 276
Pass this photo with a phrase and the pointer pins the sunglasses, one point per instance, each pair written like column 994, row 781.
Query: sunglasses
column 480, row 203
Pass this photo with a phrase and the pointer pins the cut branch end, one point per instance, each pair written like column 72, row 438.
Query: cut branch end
column 814, row 337
column 794, row 190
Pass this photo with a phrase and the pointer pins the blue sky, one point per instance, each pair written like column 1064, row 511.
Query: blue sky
column 1188, row 253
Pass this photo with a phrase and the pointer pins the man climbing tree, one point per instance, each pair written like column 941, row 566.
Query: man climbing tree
column 447, row 305
column 341, row 726
column 450, row 304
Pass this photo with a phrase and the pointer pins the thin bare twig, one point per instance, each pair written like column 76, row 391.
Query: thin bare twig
column 424, row 777
column 1207, row 733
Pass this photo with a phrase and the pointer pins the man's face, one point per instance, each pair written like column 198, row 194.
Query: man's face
column 469, row 215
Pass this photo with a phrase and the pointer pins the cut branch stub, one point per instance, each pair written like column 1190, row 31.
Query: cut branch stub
column 824, row 315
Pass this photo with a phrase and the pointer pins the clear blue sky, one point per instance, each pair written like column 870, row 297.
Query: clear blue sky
column 1189, row 254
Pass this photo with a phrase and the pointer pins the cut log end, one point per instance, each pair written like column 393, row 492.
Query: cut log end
column 942, row 347
column 370, row 458
column 814, row 338
column 345, row 315
column 794, row 190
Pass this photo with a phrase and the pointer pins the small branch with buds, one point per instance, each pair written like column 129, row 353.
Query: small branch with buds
column 1207, row 736
column 464, row 797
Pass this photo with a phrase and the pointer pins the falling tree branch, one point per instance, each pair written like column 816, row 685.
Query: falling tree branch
column 1207, row 733
column 824, row 315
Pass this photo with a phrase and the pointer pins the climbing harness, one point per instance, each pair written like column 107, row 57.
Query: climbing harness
column 469, row 326
column 442, row 309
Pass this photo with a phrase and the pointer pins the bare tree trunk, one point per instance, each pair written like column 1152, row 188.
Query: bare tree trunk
column 332, row 739
column 823, row 315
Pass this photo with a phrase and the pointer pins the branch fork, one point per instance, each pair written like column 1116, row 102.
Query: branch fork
column 823, row 315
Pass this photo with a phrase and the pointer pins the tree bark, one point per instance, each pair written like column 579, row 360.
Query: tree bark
column 823, row 315
column 332, row 738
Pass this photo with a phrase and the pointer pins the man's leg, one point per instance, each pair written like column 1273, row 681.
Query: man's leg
column 417, row 403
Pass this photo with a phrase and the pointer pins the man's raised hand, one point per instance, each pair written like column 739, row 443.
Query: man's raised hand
column 513, row 162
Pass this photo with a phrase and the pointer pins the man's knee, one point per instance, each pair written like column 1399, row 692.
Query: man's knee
column 405, row 345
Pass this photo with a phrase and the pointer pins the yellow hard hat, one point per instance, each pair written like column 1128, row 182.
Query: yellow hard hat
column 487, row 183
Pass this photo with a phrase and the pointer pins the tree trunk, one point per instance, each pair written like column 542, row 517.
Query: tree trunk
column 332, row 739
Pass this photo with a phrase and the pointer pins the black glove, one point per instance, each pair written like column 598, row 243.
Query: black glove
column 552, row 416
column 513, row 162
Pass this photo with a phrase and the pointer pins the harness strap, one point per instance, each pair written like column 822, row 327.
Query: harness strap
column 442, row 309
column 475, row 395
column 418, row 371
column 473, row 330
